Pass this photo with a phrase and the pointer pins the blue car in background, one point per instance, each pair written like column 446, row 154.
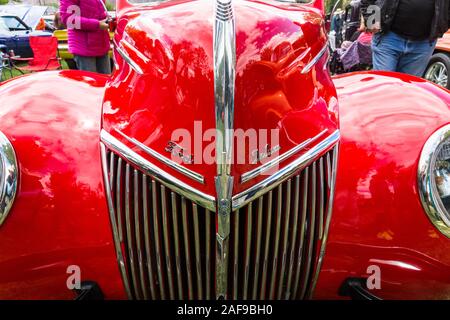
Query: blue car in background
column 17, row 24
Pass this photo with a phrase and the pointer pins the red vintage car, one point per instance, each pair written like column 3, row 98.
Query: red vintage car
column 129, row 186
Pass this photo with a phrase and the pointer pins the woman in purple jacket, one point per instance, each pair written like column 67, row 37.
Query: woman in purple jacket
column 88, row 33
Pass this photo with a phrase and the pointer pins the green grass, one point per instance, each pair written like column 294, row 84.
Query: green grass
column 15, row 73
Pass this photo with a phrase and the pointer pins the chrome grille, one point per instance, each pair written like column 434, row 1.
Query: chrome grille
column 166, row 243
column 276, row 239
column 166, row 240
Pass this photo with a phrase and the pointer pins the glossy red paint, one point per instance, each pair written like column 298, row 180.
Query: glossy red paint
column 275, row 41
column 378, row 218
column 59, row 217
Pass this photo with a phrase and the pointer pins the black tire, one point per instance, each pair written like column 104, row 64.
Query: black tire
column 439, row 62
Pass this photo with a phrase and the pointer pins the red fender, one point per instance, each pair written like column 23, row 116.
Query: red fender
column 378, row 219
column 60, row 216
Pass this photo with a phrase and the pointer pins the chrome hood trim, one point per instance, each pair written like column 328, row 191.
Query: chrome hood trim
column 224, row 87
column 274, row 180
column 189, row 173
column 160, row 175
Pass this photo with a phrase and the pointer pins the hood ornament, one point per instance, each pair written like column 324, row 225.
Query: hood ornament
column 224, row 86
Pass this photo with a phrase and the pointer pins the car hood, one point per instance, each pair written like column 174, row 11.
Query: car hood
column 172, row 44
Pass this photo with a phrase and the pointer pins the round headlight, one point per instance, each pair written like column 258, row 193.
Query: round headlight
column 434, row 179
column 8, row 176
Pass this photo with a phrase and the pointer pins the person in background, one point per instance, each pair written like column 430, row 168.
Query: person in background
column 405, row 38
column 88, row 36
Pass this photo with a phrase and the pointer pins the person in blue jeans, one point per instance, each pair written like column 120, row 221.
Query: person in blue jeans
column 406, row 35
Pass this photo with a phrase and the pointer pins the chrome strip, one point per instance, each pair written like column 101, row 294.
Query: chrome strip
column 112, row 216
column 176, row 235
column 248, row 244
column 328, row 219
column 128, row 59
column 271, row 182
column 265, row 268
column 9, row 176
column 187, row 253
column 224, row 83
column 311, row 233
column 168, row 180
column 166, row 241
column 270, row 164
column 429, row 196
column 189, row 173
column 316, row 59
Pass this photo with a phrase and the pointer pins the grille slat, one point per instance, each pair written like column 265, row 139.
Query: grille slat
column 168, row 242
column 247, row 250
column 266, row 248
column 148, row 252
column 310, row 230
column 302, row 231
column 198, row 263
column 321, row 198
column 157, row 233
column 258, row 248
column 287, row 215
column 293, row 237
column 187, row 249
column 176, row 232
column 167, row 251
column 119, row 198
column 276, row 242
column 208, row 254
column 137, row 227
column 131, row 247
column 236, row 256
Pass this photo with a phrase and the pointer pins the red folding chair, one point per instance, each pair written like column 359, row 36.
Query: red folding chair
column 45, row 55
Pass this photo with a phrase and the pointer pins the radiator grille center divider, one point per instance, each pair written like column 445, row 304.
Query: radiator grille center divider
column 168, row 243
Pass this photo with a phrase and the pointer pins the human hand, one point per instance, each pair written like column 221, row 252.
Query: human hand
column 103, row 25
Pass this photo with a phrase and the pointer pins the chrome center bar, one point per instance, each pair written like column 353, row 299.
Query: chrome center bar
column 224, row 86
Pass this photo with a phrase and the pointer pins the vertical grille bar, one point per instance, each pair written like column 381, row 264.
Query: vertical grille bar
column 287, row 215
column 236, row 255
column 293, row 236
column 165, row 226
column 248, row 243
column 208, row 254
column 277, row 242
column 311, row 230
column 156, row 232
column 187, row 249
column 119, row 199
column 149, row 254
column 302, row 229
column 266, row 247
column 321, row 198
column 198, row 264
column 137, row 233
column 258, row 248
column 176, row 233
column 131, row 256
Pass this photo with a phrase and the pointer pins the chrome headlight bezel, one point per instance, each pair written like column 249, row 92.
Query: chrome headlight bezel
column 428, row 191
column 9, row 176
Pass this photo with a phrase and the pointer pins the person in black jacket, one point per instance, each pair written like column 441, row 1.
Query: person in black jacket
column 405, row 32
